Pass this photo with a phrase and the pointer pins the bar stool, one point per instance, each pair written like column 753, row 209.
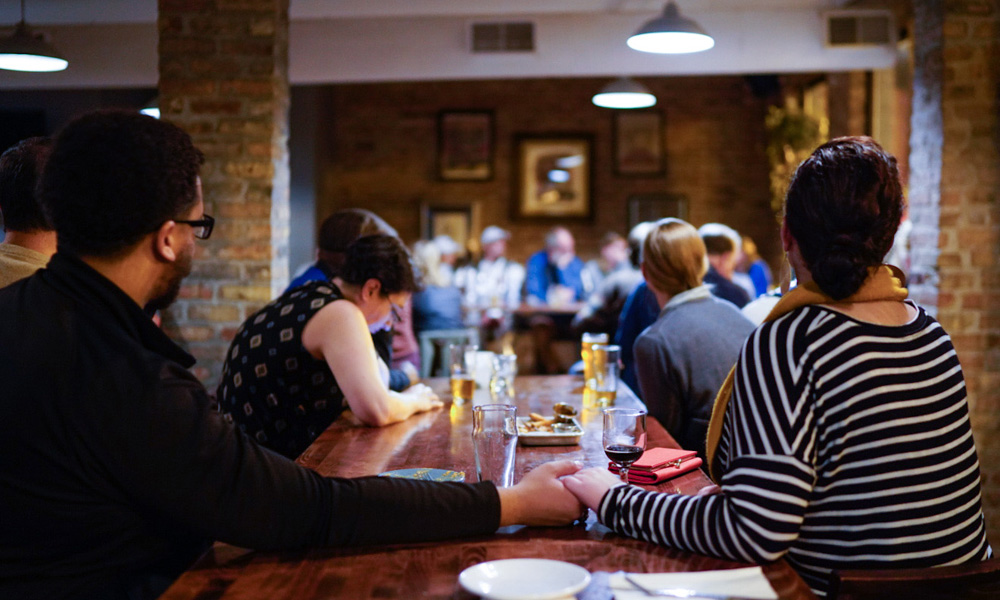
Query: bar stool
column 973, row 581
column 434, row 343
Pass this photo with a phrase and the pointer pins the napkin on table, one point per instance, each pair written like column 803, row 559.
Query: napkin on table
column 748, row 582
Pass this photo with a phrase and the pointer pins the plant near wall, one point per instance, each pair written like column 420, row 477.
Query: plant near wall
column 791, row 137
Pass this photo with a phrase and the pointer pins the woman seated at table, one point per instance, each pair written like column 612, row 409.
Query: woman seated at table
column 843, row 440
column 439, row 304
column 299, row 362
column 684, row 356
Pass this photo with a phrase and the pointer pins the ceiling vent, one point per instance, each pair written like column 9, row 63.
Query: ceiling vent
column 512, row 36
column 859, row 28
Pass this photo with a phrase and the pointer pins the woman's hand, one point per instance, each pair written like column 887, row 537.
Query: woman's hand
column 540, row 497
column 422, row 398
column 590, row 485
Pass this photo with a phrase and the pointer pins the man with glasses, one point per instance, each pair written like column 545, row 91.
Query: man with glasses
column 117, row 471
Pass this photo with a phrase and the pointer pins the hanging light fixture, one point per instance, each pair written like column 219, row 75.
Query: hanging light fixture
column 26, row 51
column 670, row 33
column 152, row 108
column 624, row 92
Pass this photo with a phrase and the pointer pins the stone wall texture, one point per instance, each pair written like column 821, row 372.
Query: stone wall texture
column 224, row 79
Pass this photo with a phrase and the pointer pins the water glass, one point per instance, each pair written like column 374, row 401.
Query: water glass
column 502, row 378
column 587, row 343
column 606, row 365
column 462, row 370
column 494, row 436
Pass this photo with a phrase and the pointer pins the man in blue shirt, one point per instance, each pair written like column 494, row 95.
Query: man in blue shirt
column 555, row 275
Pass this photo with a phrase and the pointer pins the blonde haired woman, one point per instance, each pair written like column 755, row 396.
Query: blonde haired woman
column 684, row 356
column 439, row 304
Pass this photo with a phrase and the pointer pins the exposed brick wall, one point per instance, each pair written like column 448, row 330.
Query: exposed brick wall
column 969, row 299
column 956, row 140
column 224, row 79
column 380, row 143
column 848, row 109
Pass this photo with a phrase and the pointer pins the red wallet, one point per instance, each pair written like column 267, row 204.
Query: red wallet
column 659, row 464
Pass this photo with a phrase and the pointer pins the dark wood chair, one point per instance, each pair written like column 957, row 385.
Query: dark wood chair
column 974, row 581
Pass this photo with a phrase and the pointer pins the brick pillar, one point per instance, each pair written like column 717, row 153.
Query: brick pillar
column 224, row 79
column 958, row 65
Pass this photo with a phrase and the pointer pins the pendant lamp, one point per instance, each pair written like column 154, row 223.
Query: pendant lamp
column 670, row 33
column 624, row 92
column 26, row 51
column 152, row 108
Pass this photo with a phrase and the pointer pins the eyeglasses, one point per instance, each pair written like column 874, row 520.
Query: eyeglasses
column 395, row 310
column 202, row 227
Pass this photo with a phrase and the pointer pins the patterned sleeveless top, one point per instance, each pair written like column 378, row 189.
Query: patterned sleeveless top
column 271, row 387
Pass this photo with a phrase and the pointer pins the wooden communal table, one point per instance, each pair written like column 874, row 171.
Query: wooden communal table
column 442, row 439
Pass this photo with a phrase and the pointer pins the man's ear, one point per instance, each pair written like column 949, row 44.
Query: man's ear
column 165, row 242
column 787, row 240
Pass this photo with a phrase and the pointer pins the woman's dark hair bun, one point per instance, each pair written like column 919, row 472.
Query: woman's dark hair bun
column 840, row 271
column 843, row 207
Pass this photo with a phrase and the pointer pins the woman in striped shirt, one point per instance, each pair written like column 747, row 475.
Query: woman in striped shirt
column 842, row 438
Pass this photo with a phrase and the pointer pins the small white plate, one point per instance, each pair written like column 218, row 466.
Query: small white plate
column 524, row 579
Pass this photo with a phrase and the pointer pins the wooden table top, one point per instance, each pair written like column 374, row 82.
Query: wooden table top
column 442, row 439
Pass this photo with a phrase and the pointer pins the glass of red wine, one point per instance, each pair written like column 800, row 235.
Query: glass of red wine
column 624, row 437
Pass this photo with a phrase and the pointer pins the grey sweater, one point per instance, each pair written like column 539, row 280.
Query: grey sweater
column 683, row 358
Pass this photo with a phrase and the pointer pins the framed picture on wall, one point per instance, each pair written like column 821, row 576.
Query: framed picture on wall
column 639, row 143
column 655, row 206
column 553, row 176
column 455, row 222
column 465, row 145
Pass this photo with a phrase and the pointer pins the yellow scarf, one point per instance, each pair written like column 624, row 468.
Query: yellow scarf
column 884, row 282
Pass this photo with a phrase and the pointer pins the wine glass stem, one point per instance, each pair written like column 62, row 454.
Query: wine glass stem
column 624, row 473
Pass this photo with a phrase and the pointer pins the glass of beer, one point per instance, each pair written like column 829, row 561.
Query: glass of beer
column 587, row 343
column 606, row 365
column 462, row 369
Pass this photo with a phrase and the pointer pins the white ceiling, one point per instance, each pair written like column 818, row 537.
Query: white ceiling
column 112, row 43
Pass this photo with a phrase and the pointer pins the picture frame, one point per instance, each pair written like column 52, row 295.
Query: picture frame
column 554, row 175
column 465, row 145
column 454, row 221
column 639, row 143
column 655, row 206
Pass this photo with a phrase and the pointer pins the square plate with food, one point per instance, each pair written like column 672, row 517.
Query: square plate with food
column 539, row 430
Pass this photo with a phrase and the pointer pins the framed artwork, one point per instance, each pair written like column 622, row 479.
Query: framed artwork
column 553, row 176
column 639, row 143
column 455, row 222
column 465, row 145
column 655, row 206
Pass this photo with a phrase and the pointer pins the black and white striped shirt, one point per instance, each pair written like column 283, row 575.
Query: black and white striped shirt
column 846, row 445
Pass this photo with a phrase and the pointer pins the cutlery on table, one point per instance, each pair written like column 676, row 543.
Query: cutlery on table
column 680, row 592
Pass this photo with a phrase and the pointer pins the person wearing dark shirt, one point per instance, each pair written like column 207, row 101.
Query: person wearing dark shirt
column 29, row 240
column 298, row 363
column 118, row 470
column 723, row 245
column 335, row 234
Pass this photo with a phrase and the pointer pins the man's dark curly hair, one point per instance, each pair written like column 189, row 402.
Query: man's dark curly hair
column 115, row 176
column 20, row 167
